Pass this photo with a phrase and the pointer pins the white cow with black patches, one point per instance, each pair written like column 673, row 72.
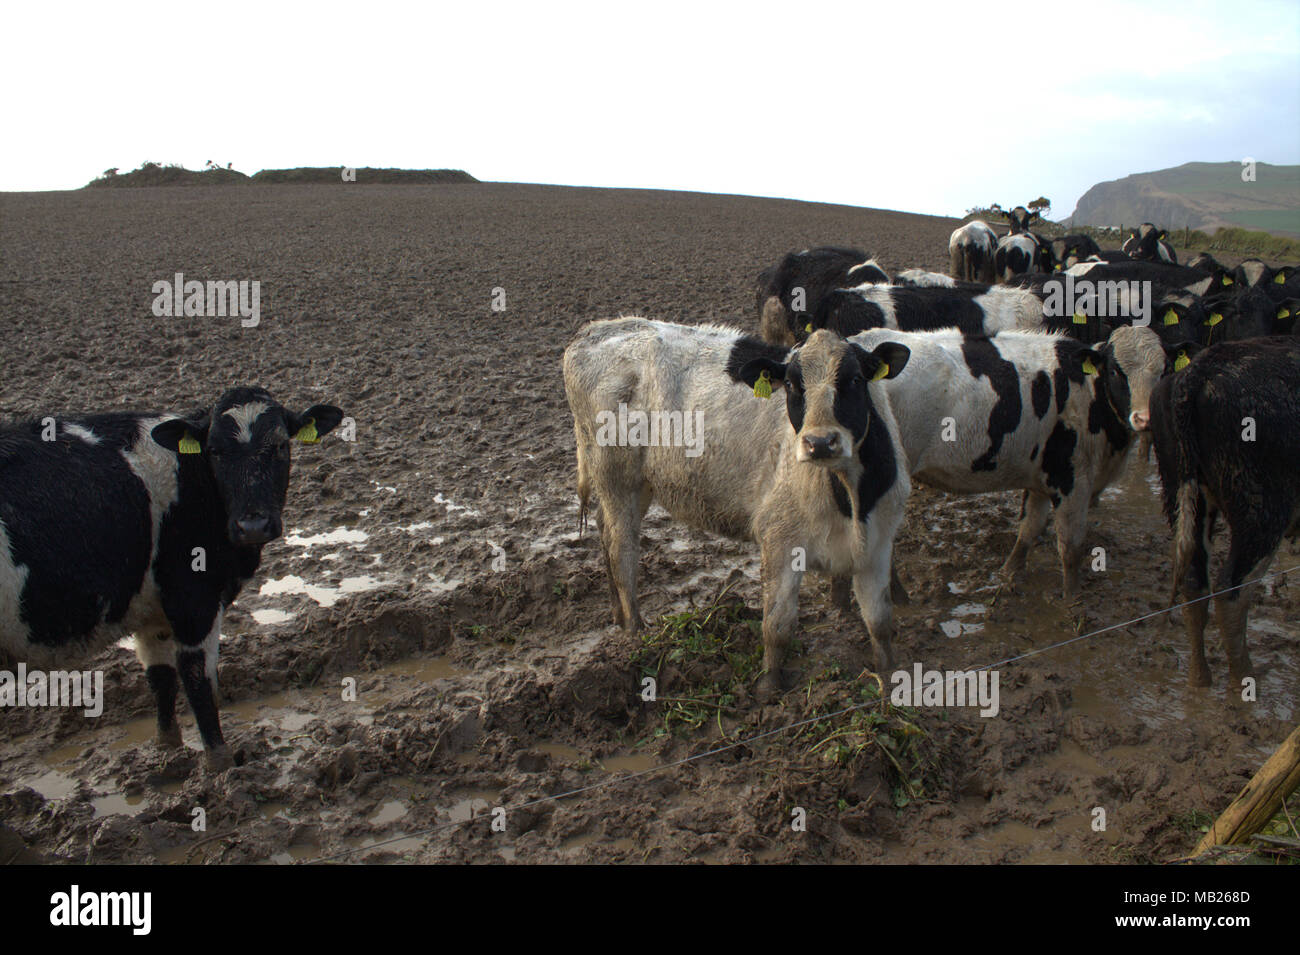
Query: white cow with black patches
column 820, row 472
column 1028, row 411
column 148, row 526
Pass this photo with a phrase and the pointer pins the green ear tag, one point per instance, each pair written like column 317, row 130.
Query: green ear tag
column 1080, row 318
column 763, row 387
column 881, row 372
column 1279, row 279
column 1215, row 318
column 1171, row 317
column 1088, row 367
column 188, row 445
column 808, row 328
column 1182, row 361
column 307, row 433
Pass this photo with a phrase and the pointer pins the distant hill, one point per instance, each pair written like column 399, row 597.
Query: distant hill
column 156, row 174
column 364, row 174
column 1200, row 195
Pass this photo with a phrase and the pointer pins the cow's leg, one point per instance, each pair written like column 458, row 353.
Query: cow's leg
column 842, row 593
column 1195, row 585
column 1071, row 528
column 157, row 654
column 1035, row 509
column 1249, row 557
column 897, row 592
column 623, row 552
column 197, row 664
column 780, row 608
column 871, row 587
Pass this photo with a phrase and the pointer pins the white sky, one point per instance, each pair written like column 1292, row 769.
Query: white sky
column 922, row 106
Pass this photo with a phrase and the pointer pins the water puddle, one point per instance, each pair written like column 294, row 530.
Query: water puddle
column 324, row 595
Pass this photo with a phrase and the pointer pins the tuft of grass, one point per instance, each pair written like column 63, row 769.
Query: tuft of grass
column 873, row 723
column 724, row 640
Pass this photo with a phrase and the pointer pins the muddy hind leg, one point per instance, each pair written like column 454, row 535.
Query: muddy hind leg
column 1249, row 557
column 1035, row 509
column 1195, row 585
column 620, row 532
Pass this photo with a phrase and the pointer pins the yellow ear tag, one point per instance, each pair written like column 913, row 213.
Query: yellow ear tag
column 1080, row 318
column 763, row 387
column 881, row 372
column 1215, row 318
column 1284, row 312
column 307, row 433
column 1279, row 279
column 808, row 328
column 1182, row 361
column 1088, row 367
column 188, row 445
column 1171, row 317
column 1227, row 280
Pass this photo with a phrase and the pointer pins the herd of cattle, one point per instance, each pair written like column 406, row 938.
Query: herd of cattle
column 966, row 386
column 148, row 525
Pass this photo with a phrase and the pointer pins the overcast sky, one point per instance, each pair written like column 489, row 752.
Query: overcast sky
column 920, row 106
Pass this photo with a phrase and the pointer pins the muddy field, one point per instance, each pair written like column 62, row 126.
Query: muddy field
column 435, row 561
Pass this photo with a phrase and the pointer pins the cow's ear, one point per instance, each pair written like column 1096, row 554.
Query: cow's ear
column 761, row 374
column 1091, row 360
column 1181, row 355
column 1287, row 308
column 314, row 423
column 183, row 435
column 885, row 361
column 1171, row 313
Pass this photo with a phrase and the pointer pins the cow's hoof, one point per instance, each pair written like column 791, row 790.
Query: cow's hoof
column 769, row 689
column 169, row 738
column 219, row 760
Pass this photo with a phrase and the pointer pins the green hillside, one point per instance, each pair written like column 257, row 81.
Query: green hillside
column 1199, row 195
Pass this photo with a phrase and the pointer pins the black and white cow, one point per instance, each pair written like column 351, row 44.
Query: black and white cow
column 970, row 252
column 1253, row 273
column 1071, row 249
column 1147, row 243
column 1027, row 411
column 1017, row 254
column 818, row 481
column 1205, row 263
column 146, row 525
column 974, row 308
column 790, row 291
column 1227, row 438
column 1160, row 274
column 1019, row 218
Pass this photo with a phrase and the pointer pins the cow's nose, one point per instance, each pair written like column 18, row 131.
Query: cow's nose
column 1140, row 420
column 819, row 446
column 255, row 529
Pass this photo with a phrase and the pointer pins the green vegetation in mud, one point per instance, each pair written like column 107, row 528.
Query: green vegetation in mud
column 1277, row 843
column 717, row 651
column 706, row 663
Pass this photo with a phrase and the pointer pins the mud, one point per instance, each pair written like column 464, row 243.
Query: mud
column 435, row 562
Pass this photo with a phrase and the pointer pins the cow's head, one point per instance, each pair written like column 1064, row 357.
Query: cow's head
column 1019, row 218
column 1130, row 365
column 244, row 441
column 827, row 393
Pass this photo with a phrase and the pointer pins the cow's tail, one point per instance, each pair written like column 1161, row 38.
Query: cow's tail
column 1187, row 499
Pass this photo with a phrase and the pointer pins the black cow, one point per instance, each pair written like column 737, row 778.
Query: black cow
column 790, row 291
column 1227, row 439
column 143, row 524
